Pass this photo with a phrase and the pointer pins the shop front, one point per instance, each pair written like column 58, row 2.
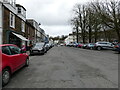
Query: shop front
column 17, row 39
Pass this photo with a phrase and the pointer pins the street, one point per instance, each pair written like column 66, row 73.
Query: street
column 68, row 67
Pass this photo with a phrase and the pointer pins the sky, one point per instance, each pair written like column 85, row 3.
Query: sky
column 54, row 15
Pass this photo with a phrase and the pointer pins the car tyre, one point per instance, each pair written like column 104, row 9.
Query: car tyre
column 6, row 75
column 99, row 48
column 91, row 48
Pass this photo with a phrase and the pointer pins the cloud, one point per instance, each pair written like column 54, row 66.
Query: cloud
column 57, row 30
column 54, row 15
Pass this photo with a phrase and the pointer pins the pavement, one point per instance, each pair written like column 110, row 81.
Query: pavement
column 68, row 67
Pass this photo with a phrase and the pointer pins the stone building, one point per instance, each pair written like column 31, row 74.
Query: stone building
column 39, row 32
column 30, row 33
column 13, row 23
column 15, row 28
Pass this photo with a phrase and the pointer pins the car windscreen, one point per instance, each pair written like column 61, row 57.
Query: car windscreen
column 39, row 45
column 92, row 44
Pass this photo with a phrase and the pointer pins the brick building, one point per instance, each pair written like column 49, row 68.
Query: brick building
column 15, row 28
column 30, row 33
column 13, row 24
column 39, row 32
column 1, row 27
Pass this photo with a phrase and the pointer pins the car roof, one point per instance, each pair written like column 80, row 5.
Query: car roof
column 1, row 45
column 40, row 43
column 103, row 42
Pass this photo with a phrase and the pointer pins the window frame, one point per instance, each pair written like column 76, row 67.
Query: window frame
column 12, row 20
column 12, row 51
column 23, row 26
column 9, row 51
column 19, row 10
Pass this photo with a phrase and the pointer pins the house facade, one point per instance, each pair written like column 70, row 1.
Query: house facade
column 1, row 25
column 71, row 39
column 15, row 28
column 13, row 24
column 30, row 33
column 39, row 32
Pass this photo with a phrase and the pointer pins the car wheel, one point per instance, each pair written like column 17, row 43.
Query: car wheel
column 99, row 48
column 5, row 76
column 91, row 48
column 27, row 62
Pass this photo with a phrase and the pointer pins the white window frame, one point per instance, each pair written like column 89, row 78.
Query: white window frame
column 12, row 20
column 23, row 26
column 19, row 10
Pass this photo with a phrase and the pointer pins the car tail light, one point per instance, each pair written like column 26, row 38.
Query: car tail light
column 116, row 46
column 95, row 45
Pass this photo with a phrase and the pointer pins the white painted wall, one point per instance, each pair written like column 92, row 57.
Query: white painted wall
column 70, row 39
column 1, row 0
column 10, row 7
column 1, row 28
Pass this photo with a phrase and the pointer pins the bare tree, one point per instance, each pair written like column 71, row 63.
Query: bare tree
column 75, row 22
column 80, row 13
column 109, row 13
column 98, row 18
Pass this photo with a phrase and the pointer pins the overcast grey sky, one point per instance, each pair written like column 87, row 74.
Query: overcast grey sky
column 54, row 15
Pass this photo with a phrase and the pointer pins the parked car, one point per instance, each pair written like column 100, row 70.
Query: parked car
column 103, row 45
column 75, row 44
column 117, row 47
column 13, row 58
column 38, row 48
column 61, row 44
column 47, row 47
column 90, row 46
column 80, row 45
column 70, row 45
column 84, row 46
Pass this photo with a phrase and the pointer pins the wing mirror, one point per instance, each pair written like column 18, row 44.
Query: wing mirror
column 22, row 51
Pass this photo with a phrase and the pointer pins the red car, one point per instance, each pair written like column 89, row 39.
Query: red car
column 117, row 47
column 80, row 45
column 13, row 58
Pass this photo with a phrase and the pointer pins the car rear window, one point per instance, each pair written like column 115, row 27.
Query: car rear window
column 39, row 45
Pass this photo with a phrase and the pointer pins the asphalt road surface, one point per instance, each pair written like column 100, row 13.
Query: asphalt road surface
column 65, row 67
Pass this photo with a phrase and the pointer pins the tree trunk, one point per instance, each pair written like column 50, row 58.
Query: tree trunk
column 95, row 36
column 105, row 35
column 90, row 32
column 118, row 34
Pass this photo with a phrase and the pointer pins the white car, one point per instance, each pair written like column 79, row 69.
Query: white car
column 61, row 44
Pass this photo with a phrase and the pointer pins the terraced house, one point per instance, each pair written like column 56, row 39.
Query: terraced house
column 14, row 26
column 1, row 28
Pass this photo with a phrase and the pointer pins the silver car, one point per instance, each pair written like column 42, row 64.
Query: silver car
column 38, row 48
column 103, row 45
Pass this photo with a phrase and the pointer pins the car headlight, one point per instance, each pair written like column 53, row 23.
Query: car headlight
column 40, row 49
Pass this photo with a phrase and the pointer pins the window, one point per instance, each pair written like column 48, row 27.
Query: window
column 6, row 50
column 12, row 20
column 102, row 43
column 28, row 30
column 23, row 26
column 19, row 9
column 15, row 50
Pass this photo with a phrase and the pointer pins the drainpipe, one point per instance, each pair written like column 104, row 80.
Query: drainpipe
column 1, row 24
column 1, row 29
